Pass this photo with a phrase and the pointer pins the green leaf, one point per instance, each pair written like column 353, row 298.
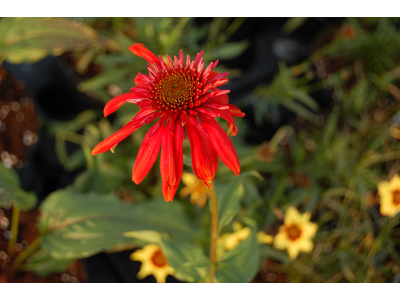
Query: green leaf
column 187, row 160
column 77, row 225
column 275, row 254
column 245, row 258
column 104, row 79
column 189, row 261
column 101, row 181
column 227, row 50
column 43, row 264
column 229, row 197
column 293, row 23
column 146, row 236
column 228, row 273
column 11, row 193
column 31, row 39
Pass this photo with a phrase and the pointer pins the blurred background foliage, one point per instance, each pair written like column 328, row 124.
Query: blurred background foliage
column 319, row 134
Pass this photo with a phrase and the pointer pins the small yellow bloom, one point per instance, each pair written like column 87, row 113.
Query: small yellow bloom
column 232, row 240
column 389, row 192
column 263, row 238
column 196, row 188
column 153, row 263
column 296, row 233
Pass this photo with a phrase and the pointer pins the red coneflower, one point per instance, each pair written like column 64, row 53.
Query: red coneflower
column 180, row 96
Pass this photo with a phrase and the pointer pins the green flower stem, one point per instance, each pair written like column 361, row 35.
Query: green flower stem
column 14, row 230
column 214, row 231
column 31, row 249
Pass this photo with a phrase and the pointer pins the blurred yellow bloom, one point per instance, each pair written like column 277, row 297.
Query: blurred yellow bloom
column 153, row 263
column 196, row 188
column 263, row 238
column 389, row 193
column 296, row 233
column 232, row 240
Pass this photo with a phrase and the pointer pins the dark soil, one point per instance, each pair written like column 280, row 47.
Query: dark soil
column 19, row 126
column 26, row 234
column 19, row 122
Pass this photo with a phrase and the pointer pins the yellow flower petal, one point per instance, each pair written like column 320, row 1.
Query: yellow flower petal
column 263, row 238
column 386, row 190
column 196, row 188
column 231, row 241
column 304, row 231
column 153, row 263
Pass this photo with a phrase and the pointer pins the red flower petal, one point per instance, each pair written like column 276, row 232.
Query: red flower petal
column 148, row 152
column 227, row 115
column 142, row 80
column 223, row 98
column 142, row 51
column 204, row 156
column 236, row 111
column 221, row 142
column 171, row 162
column 142, row 117
column 117, row 102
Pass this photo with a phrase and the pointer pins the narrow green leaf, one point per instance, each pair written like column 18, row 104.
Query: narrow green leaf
column 227, row 50
column 293, row 23
column 103, row 79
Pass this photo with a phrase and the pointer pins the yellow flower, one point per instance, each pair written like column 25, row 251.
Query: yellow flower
column 196, row 188
column 263, row 238
column 389, row 192
column 153, row 263
column 232, row 240
column 296, row 233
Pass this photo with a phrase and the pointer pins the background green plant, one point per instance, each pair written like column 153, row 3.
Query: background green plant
column 326, row 161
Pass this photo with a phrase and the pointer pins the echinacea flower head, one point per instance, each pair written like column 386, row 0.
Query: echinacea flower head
column 196, row 188
column 153, row 263
column 183, row 97
column 389, row 192
column 296, row 233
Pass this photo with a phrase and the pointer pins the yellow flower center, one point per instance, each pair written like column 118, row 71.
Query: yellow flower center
column 396, row 197
column 159, row 259
column 176, row 90
column 293, row 232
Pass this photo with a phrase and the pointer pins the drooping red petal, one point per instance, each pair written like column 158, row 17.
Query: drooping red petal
column 117, row 102
column 142, row 117
column 142, row 51
column 236, row 111
column 204, row 156
column 171, row 161
column 232, row 128
column 221, row 142
column 148, row 152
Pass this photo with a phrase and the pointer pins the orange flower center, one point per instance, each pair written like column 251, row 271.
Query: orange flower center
column 159, row 259
column 176, row 90
column 396, row 197
column 293, row 232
